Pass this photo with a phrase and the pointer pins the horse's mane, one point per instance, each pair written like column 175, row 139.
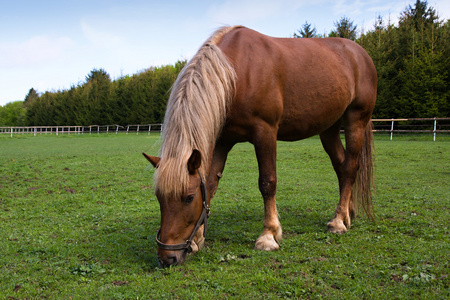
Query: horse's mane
column 195, row 114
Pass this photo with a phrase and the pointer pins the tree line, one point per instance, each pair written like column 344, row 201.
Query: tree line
column 137, row 99
column 412, row 61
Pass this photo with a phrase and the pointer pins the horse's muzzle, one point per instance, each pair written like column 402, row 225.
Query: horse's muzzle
column 171, row 258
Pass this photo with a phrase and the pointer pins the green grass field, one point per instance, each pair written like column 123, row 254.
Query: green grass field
column 78, row 218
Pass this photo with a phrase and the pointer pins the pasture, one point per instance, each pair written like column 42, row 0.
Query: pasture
column 78, row 221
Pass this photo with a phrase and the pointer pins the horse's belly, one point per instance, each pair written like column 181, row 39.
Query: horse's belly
column 299, row 130
column 303, row 119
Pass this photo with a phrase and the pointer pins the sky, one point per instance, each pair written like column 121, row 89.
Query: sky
column 51, row 45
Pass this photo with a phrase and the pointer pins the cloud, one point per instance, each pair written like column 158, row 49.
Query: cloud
column 371, row 9
column 346, row 8
column 34, row 51
column 98, row 37
column 234, row 12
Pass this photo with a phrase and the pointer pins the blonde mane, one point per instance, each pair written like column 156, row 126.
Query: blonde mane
column 195, row 114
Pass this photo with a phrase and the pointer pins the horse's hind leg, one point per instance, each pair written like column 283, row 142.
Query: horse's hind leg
column 265, row 144
column 332, row 144
column 346, row 166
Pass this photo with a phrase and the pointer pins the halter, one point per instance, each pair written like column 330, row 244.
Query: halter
column 202, row 220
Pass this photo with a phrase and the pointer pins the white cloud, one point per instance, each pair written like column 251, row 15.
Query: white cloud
column 98, row 37
column 348, row 8
column 234, row 12
column 34, row 51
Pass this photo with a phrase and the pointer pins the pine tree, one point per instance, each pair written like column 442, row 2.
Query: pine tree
column 30, row 97
column 306, row 31
column 344, row 29
column 98, row 85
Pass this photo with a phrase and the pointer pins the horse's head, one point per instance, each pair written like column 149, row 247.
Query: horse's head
column 183, row 217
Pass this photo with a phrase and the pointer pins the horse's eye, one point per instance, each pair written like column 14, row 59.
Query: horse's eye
column 189, row 199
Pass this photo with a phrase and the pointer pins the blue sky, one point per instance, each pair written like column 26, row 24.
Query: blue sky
column 52, row 45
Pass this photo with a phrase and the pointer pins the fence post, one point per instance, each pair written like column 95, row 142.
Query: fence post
column 107, row 129
column 117, row 128
column 128, row 127
column 392, row 128
column 149, row 127
column 11, row 131
column 434, row 130
column 137, row 130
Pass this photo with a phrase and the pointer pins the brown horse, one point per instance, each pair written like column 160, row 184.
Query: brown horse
column 246, row 86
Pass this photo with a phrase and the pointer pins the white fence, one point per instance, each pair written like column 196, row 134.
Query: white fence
column 412, row 125
column 92, row 129
column 433, row 126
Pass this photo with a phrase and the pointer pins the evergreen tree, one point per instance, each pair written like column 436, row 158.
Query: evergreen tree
column 30, row 97
column 380, row 45
column 98, row 89
column 420, row 16
column 344, row 29
column 122, row 98
column 421, row 64
column 306, row 31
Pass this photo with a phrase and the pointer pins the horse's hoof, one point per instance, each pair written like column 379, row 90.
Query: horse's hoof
column 266, row 243
column 336, row 226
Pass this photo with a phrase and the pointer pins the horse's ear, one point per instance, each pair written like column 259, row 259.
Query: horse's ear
column 194, row 161
column 154, row 160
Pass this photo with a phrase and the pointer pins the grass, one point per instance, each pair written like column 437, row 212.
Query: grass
column 78, row 219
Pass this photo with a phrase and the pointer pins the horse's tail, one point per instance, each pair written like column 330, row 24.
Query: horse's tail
column 362, row 189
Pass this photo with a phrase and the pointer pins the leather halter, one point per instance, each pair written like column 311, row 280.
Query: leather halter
column 202, row 220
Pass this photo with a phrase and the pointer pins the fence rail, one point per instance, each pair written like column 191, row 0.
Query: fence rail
column 412, row 125
column 91, row 129
column 433, row 126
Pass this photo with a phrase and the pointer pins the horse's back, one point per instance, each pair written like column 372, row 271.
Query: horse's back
column 301, row 86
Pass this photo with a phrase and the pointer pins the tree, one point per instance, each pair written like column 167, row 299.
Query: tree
column 306, row 31
column 344, row 29
column 422, row 64
column 425, row 93
column 412, row 64
column 97, row 74
column 380, row 44
column 13, row 114
column 122, row 97
column 420, row 16
column 98, row 109
column 31, row 97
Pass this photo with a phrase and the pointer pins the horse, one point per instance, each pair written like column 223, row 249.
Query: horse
column 243, row 86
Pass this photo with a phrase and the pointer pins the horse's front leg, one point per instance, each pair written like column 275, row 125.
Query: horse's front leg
column 219, row 158
column 266, row 147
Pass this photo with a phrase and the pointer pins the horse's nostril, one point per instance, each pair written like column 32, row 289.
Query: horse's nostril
column 171, row 260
